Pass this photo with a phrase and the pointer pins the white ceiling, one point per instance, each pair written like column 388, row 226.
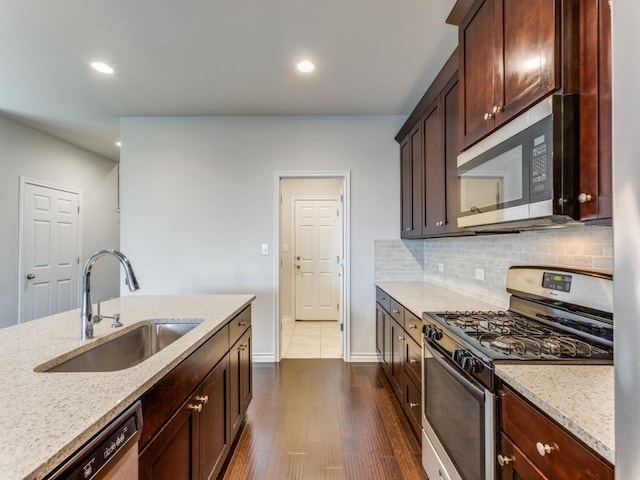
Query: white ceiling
column 213, row 57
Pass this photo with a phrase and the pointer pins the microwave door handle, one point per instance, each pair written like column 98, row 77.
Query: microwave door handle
column 478, row 393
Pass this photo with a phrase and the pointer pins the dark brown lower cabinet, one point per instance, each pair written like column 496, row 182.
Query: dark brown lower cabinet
column 399, row 349
column 532, row 446
column 192, row 415
column 194, row 443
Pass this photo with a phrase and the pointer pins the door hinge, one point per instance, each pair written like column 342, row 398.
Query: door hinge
column 338, row 307
column 338, row 213
column 78, row 208
column 342, row 327
column 341, row 198
column 78, row 261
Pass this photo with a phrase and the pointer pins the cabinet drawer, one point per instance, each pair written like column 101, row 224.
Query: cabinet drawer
column 397, row 312
column 239, row 325
column 413, row 326
column 383, row 299
column 413, row 361
column 529, row 429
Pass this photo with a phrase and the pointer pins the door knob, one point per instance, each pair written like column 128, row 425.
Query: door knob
column 298, row 258
column 584, row 198
column 30, row 276
column 298, row 267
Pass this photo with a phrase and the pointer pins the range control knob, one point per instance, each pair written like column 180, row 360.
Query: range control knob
column 435, row 333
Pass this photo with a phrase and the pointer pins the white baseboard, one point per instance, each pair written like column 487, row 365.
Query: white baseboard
column 363, row 357
column 263, row 358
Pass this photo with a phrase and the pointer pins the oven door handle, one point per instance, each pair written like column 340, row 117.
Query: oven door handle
column 477, row 392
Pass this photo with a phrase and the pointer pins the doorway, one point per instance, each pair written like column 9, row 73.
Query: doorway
column 49, row 251
column 312, row 266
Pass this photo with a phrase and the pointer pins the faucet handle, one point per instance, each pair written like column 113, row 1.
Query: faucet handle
column 116, row 321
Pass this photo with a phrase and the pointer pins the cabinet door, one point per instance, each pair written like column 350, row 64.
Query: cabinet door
column 246, row 372
column 214, row 427
column 235, row 404
column 434, row 218
column 452, row 147
column 380, row 332
column 479, row 69
column 388, row 347
column 411, row 173
column 531, row 62
column 173, row 453
column 397, row 355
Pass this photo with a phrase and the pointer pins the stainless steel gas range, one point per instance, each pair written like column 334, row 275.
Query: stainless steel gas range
column 555, row 315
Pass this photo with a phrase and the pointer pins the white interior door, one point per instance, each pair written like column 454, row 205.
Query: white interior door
column 49, row 251
column 317, row 257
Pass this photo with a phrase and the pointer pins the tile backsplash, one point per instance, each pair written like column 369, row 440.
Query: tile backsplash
column 589, row 248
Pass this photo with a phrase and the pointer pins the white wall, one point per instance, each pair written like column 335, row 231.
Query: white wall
column 626, row 235
column 197, row 198
column 35, row 155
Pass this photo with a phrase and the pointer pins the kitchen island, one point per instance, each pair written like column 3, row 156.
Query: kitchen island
column 45, row 417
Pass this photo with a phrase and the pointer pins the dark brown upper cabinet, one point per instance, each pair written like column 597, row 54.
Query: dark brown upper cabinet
column 514, row 53
column 509, row 60
column 429, row 145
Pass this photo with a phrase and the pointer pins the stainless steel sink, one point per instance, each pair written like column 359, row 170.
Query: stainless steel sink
column 126, row 350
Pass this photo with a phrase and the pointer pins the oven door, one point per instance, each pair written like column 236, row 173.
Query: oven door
column 458, row 421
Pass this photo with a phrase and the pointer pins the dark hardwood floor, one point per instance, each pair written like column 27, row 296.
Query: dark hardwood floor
column 323, row 419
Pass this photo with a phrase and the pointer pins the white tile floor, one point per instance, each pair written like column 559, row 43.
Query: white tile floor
column 310, row 339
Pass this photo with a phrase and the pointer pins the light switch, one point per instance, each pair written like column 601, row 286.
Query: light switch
column 265, row 249
column 285, row 247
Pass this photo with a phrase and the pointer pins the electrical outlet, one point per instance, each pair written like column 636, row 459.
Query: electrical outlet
column 479, row 274
column 441, row 267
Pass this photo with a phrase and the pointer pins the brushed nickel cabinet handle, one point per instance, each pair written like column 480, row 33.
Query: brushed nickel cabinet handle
column 545, row 449
column 504, row 460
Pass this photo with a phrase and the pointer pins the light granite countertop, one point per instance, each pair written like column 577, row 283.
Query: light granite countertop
column 421, row 297
column 578, row 397
column 44, row 417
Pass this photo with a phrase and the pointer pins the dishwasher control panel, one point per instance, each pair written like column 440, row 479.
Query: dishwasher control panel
column 96, row 454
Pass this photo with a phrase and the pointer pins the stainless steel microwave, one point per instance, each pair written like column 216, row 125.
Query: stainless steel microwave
column 522, row 175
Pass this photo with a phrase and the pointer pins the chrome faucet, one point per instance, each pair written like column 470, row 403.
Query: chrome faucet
column 86, row 313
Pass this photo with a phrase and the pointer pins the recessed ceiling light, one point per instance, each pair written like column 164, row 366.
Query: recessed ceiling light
column 119, row 144
column 102, row 68
column 306, row 66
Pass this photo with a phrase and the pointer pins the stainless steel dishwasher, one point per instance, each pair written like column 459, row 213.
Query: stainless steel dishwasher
column 111, row 454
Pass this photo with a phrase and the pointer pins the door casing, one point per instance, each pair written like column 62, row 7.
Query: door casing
column 345, row 296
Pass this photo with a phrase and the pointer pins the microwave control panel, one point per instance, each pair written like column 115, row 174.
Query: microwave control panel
column 541, row 151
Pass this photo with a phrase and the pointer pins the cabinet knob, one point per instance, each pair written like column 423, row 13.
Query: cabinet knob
column 414, row 360
column 487, row 116
column 30, row 276
column 203, row 399
column 396, row 311
column 545, row 449
column 584, row 198
column 400, row 337
column 196, row 408
column 407, row 229
column 412, row 325
column 504, row 460
column 413, row 405
column 242, row 324
column 496, row 109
